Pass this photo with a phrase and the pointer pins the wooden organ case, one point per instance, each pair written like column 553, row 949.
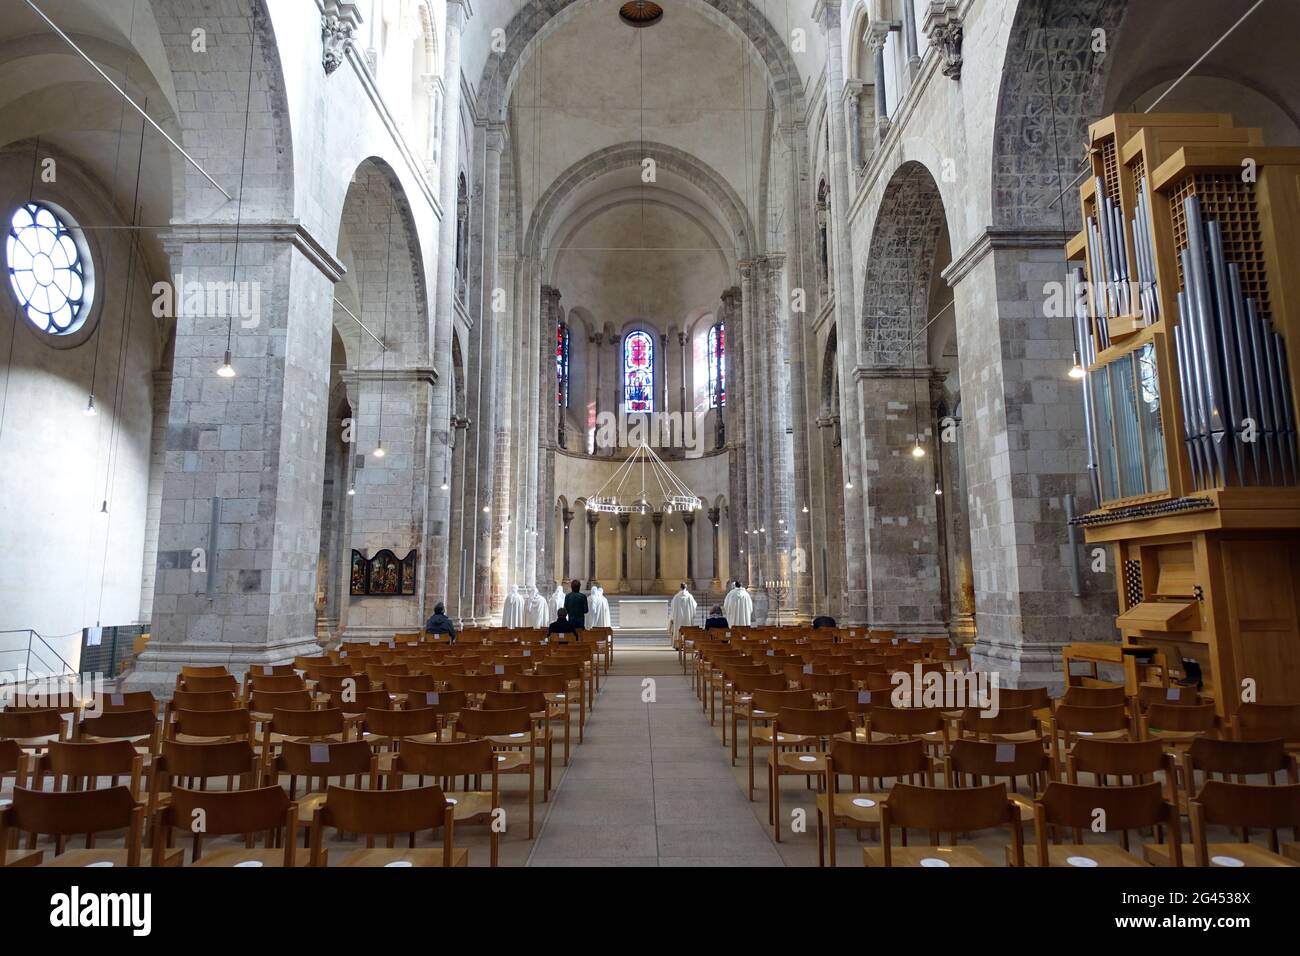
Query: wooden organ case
column 1187, row 320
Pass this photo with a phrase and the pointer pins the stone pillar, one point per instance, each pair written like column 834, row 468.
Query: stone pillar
column 689, row 519
column 857, row 577
column 714, row 517
column 437, row 545
column 1024, row 451
column 754, row 389
column 663, row 350
column 877, row 38
column 910, row 39
column 548, row 413
column 255, row 442
column 658, row 519
column 738, row 447
column 623, row 521
column 486, row 325
column 162, row 396
column 597, row 339
column 529, row 491
column 567, row 516
column 779, row 461
column 504, row 515
column 593, row 519
column 855, row 126
column 681, row 344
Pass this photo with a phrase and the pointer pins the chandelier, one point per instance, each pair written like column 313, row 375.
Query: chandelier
column 628, row 490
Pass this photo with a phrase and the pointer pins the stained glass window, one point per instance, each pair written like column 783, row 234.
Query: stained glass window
column 638, row 372
column 47, row 269
column 562, row 365
column 718, row 365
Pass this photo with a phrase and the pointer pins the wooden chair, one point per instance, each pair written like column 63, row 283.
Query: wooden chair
column 908, row 723
column 326, row 724
column 807, row 733
column 515, row 754
column 1079, row 808
column 197, row 700
column 943, row 811
column 978, row 763
column 200, row 683
column 139, row 727
column 556, row 694
column 384, row 729
column 201, row 670
column 446, row 761
column 318, row 762
column 211, row 813
column 274, row 683
column 388, row 813
column 1149, row 694
column 1245, row 806
column 88, row 812
column 858, row 808
column 127, row 700
column 1104, row 696
column 1269, row 722
column 1071, row 721
column 1009, row 723
column 263, row 703
column 763, row 709
column 1177, row 725
column 78, row 765
column 742, row 698
column 198, row 763
column 575, row 683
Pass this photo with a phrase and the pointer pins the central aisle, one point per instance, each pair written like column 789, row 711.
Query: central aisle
column 651, row 785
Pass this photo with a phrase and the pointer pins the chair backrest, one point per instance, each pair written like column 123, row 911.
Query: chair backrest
column 775, row 700
column 1186, row 718
column 275, row 682
column 409, row 683
column 200, row 684
column 208, row 670
column 546, row 683
column 78, row 811
column 439, row 701
column 1212, row 755
column 948, row 810
column 983, row 758
column 1118, row 758
column 122, row 724
column 1249, row 804
column 447, row 759
column 307, row 723
column 326, row 758
column 12, row 757
column 1007, row 720
column 269, row 701
column 226, row 758
column 202, row 700
column 905, row 721
column 338, row 683
column 1173, row 694
column 228, row 811
column 1126, row 808
column 110, row 758
column 1106, row 696
column 894, row 759
column 1090, row 718
column 476, row 683
column 359, row 701
column 385, row 811
column 129, row 700
column 401, row 723
column 28, row 724
column 825, row 683
column 534, row 701
column 813, row 723
column 1267, row 721
column 494, row 723
column 235, row 722
column 1035, row 697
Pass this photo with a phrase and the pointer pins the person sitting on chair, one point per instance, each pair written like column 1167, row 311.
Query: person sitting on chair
column 715, row 620
column 440, row 623
column 562, row 625
column 823, row 620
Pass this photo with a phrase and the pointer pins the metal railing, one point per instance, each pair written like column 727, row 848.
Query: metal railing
column 26, row 652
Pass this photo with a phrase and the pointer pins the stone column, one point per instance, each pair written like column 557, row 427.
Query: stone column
column 504, row 515
column 663, row 350
column 548, row 413
column 689, row 519
column 681, row 343
column 658, row 519
column 593, row 519
column 529, row 490
column 436, row 547
column 910, row 39
column 715, row 516
column 567, row 515
column 255, row 443
column 597, row 339
column 738, row 441
column 623, row 521
column 857, row 578
column 162, row 396
column 855, row 126
column 754, row 445
column 779, row 461
column 1024, row 453
column 877, row 38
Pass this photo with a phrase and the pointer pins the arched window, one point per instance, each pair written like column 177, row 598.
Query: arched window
column 562, row 365
column 49, row 269
column 638, row 372
column 718, row 365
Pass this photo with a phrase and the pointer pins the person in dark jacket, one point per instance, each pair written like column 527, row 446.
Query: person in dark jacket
column 715, row 620
column 562, row 624
column 823, row 620
column 440, row 623
column 575, row 604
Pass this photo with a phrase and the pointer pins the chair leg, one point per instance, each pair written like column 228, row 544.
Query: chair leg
column 821, row 846
column 774, row 781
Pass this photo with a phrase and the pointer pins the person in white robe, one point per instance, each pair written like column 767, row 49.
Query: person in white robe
column 738, row 607
column 597, row 607
column 681, row 612
column 536, row 609
column 555, row 601
column 512, row 612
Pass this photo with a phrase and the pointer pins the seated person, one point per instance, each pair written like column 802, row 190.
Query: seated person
column 440, row 623
column 823, row 620
column 715, row 620
column 562, row 625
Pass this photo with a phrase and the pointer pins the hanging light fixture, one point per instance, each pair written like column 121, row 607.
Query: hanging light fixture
column 352, row 488
column 379, row 449
column 226, row 370
column 848, row 485
column 917, row 450
column 937, row 490
column 1076, row 370
column 805, row 509
column 90, row 408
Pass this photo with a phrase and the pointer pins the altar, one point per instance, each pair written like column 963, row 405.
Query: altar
column 643, row 613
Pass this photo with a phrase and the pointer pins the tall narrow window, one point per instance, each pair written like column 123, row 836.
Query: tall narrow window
column 718, row 365
column 462, row 236
column 562, row 365
column 638, row 372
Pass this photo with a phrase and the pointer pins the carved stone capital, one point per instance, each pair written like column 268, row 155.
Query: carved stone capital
column 339, row 22
column 943, row 26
